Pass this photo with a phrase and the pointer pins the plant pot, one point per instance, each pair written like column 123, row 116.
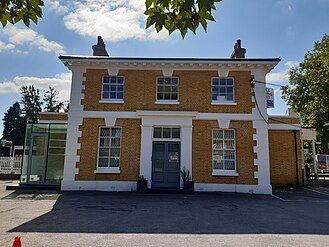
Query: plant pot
column 188, row 187
column 142, row 186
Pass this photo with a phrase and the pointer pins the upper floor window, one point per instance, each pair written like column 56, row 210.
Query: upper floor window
column 222, row 89
column 167, row 88
column 113, row 88
column 223, row 150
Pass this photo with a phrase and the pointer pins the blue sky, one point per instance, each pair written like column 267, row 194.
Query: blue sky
column 285, row 28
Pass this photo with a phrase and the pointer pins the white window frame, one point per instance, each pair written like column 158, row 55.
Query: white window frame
column 109, row 100
column 222, row 102
column 166, row 101
column 223, row 172
column 167, row 139
column 108, row 169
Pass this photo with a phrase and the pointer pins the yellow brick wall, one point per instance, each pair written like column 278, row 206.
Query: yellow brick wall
column 283, row 120
column 202, row 153
column 282, row 157
column 130, row 150
column 59, row 116
column 140, row 91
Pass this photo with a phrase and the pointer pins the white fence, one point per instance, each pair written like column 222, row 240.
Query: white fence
column 10, row 165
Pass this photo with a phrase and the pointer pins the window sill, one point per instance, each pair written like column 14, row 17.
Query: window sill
column 108, row 170
column 223, row 103
column 111, row 101
column 225, row 173
column 167, row 102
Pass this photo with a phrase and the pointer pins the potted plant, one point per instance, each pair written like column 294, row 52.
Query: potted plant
column 188, row 183
column 141, row 185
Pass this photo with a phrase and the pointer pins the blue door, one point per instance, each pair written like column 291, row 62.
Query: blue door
column 166, row 165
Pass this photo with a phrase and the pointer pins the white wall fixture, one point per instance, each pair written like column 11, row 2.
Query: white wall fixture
column 224, row 124
column 113, row 71
column 167, row 72
column 223, row 72
column 110, row 121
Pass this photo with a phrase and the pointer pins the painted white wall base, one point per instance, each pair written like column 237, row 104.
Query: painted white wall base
column 99, row 185
column 241, row 188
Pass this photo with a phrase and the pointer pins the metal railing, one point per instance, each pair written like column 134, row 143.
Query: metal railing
column 10, row 165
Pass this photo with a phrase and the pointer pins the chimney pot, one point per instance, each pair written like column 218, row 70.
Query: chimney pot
column 238, row 52
column 99, row 48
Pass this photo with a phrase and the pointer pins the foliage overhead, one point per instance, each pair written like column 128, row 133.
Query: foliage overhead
column 52, row 104
column 13, row 11
column 308, row 92
column 182, row 15
column 30, row 100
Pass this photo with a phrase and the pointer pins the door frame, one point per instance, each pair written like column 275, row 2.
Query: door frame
column 176, row 141
column 29, row 165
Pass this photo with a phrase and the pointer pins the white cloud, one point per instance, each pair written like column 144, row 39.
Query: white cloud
column 6, row 47
column 114, row 20
column 283, row 75
column 30, row 38
column 56, row 6
column 61, row 82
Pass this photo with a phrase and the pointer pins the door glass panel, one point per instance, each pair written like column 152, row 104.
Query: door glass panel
column 38, row 158
column 159, row 152
column 173, row 155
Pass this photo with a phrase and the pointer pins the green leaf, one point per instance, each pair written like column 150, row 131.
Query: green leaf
column 148, row 3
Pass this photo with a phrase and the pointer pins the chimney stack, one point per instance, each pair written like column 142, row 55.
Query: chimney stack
column 238, row 51
column 99, row 48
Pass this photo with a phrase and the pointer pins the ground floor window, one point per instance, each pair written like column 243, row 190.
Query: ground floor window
column 223, row 150
column 109, row 147
column 166, row 132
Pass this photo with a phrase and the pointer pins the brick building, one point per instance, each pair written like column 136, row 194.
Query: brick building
column 154, row 117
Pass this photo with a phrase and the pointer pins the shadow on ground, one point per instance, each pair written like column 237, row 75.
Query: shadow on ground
column 93, row 212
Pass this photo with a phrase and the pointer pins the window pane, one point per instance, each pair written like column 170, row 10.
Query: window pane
column 167, row 89
column 167, row 96
column 218, row 134
column 175, row 81
column 120, row 80
column 116, row 132
column 222, row 90
column 218, row 164
column 229, row 90
column 160, row 96
column 176, row 133
column 105, row 142
column 115, row 142
column 105, row 131
column 160, row 80
column 215, row 89
column 228, row 134
column 229, row 97
column 174, row 96
column 214, row 96
column 103, row 162
column 106, row 88
column 229, row 144
column 113, row 79
column 222, row 81
column 120, row 95
column 103, row 152
column 167, row 80
column 229, row 165
column 229, row 155
column 112, row 95
column 105, row 79
column 166, row 132
column 112, row 88
column 217, row 144
column 115, row 152
column 106, row 95
column 114, row 162
column 215, row 81
column 161, row 89
column 229, row 81
column 157, row 132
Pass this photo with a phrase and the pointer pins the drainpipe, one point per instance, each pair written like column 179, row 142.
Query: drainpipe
column 296, row 157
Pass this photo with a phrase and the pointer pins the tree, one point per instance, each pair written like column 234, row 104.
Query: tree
column 308, row 92
column 14, row 125
column 13, row 11
column 52, row 104
column 30, row 100
column 182, row 15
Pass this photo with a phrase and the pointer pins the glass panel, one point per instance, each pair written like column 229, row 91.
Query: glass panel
column 217, row 144
column 115, row 142
column 103, row 162
column 175, row 132
column 222, row 81
column 115, row 152
column 114, row 161
column 106, row 95
column 215, row 81
column 26, row 153
column 56, row 153
column 116, row 132
column 157, row 132
column 166, row 132
column 38, row 159
column 105, row 79
column 105, row 142
column 218, row 134
column 120, row 80
column 105, row 131
column 230, row 81
column 229, row 134
column 104, row 152
column 229, row 144
column 218, row 164
column 229, row 165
